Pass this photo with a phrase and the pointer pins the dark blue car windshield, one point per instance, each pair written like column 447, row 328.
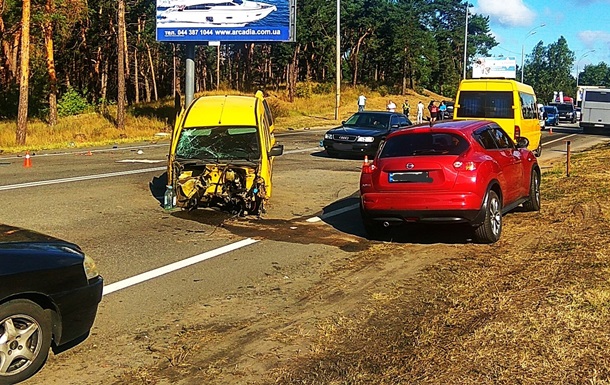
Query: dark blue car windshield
column 369, row 120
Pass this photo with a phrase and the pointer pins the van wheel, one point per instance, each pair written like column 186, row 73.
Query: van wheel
column 533, row 202
column 491, row 228
column 538, row 151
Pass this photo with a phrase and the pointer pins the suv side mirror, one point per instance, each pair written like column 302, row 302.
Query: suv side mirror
column 276, row 150
column 523, row 142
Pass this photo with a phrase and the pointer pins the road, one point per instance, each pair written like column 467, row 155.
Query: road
column 107, row 200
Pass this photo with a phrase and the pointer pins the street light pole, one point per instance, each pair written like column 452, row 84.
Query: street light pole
column 338, row 48
column 578, row 62
column 465, row 41
column 530, row 33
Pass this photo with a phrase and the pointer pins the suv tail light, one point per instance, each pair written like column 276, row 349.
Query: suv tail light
column 464, row 166
column 517, row 133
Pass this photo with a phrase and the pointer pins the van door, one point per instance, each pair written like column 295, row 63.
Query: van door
column 529, row 122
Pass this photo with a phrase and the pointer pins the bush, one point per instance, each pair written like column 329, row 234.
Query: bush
column 303, row 90
column 323, row 88
column 72, row 103
column 383, row 90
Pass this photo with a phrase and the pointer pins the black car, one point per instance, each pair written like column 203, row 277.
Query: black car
column 449, row 111
column 362, row 132
column 566, row 111
column 48, row 297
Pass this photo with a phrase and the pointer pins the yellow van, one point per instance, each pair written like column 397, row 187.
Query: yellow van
column 510, row 104
column 222, row 153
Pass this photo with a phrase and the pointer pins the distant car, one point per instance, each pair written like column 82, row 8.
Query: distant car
column 362, row 132
column 449, row 111
column 567, row 112
column 49, row 295
column 552, row 115
column 453, row 172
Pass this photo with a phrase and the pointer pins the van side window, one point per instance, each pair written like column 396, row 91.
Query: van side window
column 268, row 113
column 486, row 104
column 528, row 106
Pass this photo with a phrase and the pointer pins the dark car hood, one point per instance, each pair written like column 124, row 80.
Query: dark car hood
column 355, row 130
column 15, row 237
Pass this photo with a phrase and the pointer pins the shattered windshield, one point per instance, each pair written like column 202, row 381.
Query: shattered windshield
column 216, row 143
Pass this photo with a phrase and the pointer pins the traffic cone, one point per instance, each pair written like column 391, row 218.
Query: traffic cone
column 89, row 153
column 365, row 165
column 27, row 161
column 551, row 130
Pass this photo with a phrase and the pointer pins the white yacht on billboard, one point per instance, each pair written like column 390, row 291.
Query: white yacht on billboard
column 212, row 13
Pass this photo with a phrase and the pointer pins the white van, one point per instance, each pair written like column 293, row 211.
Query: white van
column 595, row 111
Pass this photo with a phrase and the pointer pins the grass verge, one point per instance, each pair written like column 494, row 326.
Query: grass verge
column 531, row 309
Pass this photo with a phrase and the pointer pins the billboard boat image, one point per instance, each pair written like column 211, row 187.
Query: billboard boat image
column 212, row 13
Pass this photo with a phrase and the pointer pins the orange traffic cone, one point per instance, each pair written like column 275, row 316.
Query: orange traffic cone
column 366, row 168
column 27, row 161
column 551, row 130
column 89, row 153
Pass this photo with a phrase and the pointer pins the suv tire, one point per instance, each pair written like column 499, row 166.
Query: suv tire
column 491, row 228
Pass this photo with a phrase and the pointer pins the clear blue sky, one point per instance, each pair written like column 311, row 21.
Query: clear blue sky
column 585, row 24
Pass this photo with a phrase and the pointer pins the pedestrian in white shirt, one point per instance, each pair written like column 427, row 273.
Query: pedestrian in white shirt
column 420, row 112
column 391, row 106
column 361, row 102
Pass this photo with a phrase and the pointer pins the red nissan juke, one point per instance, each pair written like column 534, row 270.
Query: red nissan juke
column 452, row 172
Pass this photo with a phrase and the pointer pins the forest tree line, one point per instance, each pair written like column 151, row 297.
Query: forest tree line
column 105, row 52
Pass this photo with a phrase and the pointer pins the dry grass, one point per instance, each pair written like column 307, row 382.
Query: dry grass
column 147, row 119
column 531, row 309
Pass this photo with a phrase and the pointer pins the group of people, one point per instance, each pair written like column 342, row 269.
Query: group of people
column 436, row 112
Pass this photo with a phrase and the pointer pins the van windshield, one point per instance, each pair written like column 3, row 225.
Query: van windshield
column 486, row 104
column 216, row 143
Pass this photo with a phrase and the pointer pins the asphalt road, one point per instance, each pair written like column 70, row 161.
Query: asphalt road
column 108, row 200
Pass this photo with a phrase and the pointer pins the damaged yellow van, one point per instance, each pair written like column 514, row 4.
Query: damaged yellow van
column 512, row 105
column 222, row 153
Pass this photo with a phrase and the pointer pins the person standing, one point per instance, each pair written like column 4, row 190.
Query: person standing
column 391, row 106
column 442, row 109
column 420, row 112
column 361, row 102
column 406, row 108
column 433, row 111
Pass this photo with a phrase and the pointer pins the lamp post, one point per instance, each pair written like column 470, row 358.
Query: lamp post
column 530, row 33
column 338, row 48
column 465, row 41
column 578, row 62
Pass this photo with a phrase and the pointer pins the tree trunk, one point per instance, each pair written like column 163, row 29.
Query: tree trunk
column 293, row 72
column 404, row 73
column 146, row 86
column 120, row 120
column 136, row 71
column 22, row 117
column 152, row 72
column 356, row 51
column 48, row 39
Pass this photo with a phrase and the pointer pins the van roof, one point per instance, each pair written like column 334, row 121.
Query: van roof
column 225, row 110
column 494, row 84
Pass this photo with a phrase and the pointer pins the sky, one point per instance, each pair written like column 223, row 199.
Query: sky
column 585, row 24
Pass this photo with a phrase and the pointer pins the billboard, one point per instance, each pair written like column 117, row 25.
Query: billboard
column 226, row 20
column 494, row 67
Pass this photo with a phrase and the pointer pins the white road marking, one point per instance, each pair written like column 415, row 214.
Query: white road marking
column 557, row 140
column 141, row 161
column 111, row 288
column 302, row 150
column 83, row 151
column 79, row 178
column 333, row 213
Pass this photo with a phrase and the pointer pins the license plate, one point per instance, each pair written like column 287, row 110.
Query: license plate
column 410, row 176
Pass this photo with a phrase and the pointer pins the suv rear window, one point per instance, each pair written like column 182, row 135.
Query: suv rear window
column 486, row 104
column 564, row 107
column 435, row 143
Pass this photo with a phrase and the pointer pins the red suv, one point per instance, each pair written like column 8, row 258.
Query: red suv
column 453, row 172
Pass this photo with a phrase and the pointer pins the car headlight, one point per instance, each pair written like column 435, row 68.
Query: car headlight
column 90, row 267
column 365, row 139
column 328, row 136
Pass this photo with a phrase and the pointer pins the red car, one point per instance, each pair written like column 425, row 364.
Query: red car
column 452, row 172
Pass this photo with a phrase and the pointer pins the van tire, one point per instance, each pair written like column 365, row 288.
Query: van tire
column 538, row 151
